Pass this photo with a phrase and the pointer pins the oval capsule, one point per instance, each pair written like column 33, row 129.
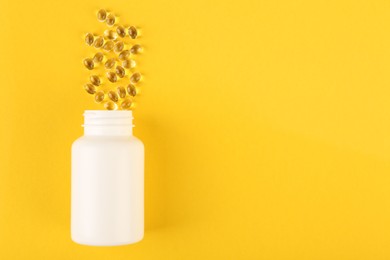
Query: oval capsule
column 111, row 76
column 90, row 88
column 120, row 71
column 110, row 20
column 108, row 46
column 101, row 15
column 99, row 96
column 110, row 106
column 126, row 104
column 89, row 39
column 110, row 63
column 88, row 63
column 131, row 90
column 99, row 41
column 129, row 64
column 135, row 78
column 136, row 49
column 120, row 30
column 118, row 47
column 133, row 32
column 95, row 80
column 98, row 57
column 113, row 96
column 121, row 92
column 124, row 54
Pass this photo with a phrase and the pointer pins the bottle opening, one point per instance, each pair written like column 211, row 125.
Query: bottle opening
column 106, row 122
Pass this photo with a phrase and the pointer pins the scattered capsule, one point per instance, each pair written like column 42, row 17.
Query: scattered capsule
column 110, row 20
column 99, row 42
column 118, row 47
column 131, row 90
column 98, row 57
column 120, row 71
column 108, row 46
column 121, row 31
column 111, row 106
column 88, row 63
column 110, row 63
column 113, row 96
column 136, row 49
column 121, row 92
column 126, row 104
column 111, row 76
column 101, row 15
column 136, row 77
column 95, row 80
column 89, row 39
column 129, row 64
column 124, row 54
column 90, row 88
column 133, row 32
column 110, row 34
column 99, row 96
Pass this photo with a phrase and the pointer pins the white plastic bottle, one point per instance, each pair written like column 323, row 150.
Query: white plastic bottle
column 107, row 181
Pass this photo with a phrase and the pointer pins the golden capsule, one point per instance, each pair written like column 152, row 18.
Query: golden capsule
column 113, row 96
column 108, row 46
column 120, row 71
column 111, row 76
column 135, row 78
column 110, row 34
column 99, row 41
column 136, row 49
column 88, row 63
column 124, row 54
column 110, row 63
column 131, row 90
column 121, row 92
column 111, row 106
column 98, row 57
column 110, row 20
column 129, row 64
column 90, row 88
column 118, row 47
column 99, row 96
column 121, row 31
column 133, row 33
column 95, row 80
column 89, row 39
column 126, row 104
column 101, row 15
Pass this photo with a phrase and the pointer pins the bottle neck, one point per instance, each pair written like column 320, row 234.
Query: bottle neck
column 108, row 123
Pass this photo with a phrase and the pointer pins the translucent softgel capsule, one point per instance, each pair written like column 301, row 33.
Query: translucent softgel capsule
column 131, row 90
column 120, row 71
column 120, row 30
column 99, row 41
column 89, row 39
column 129, row 64
column 124, row 54
column 99, row 96
column 118, row 47
column 95, row 80
column 110, row 20
column 136, row 77
column 101, row 15
column 98, row 57
column 88, row 63
column 133, row 32
column 113, row 96
column 121, row 92
column 110, row 106
column 110, row 63
column 111, row 76
column 126, row 104
column 136, row 49
column 90, row 88
column 108, row 46
column 110, row 34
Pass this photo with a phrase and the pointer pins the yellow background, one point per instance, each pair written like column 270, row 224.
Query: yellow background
column 266, row 126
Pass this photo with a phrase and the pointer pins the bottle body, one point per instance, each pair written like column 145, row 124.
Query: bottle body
column 107, row 188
